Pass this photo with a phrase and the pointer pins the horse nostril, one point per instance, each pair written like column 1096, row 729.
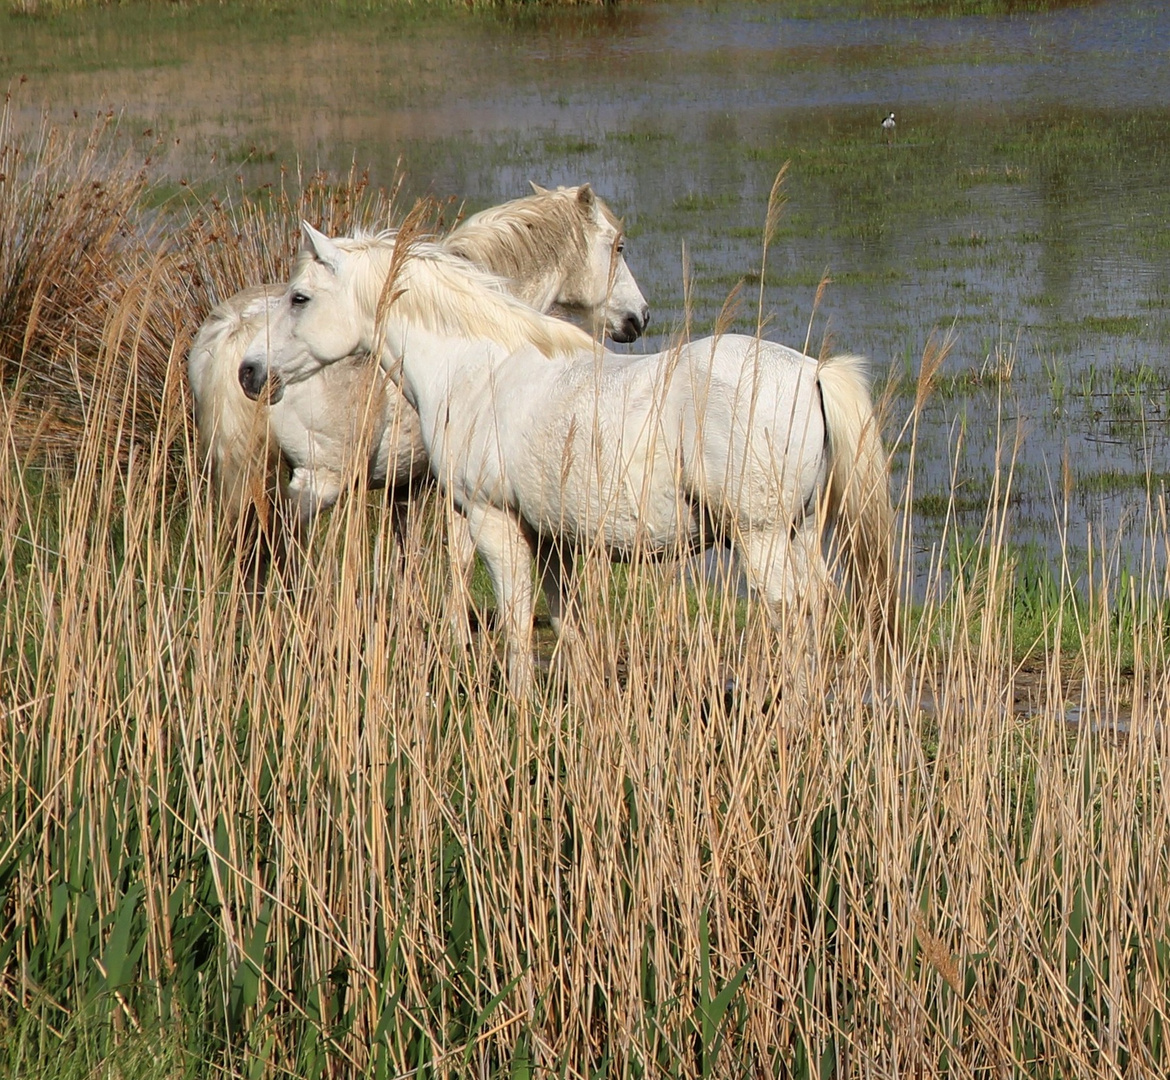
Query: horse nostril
column 631, row 329
column 251, row 378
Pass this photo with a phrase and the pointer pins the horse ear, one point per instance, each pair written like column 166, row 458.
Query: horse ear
column 585, row 196
column 323, row 249
column 537, row 189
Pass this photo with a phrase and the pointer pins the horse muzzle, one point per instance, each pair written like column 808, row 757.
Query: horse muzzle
column 632, row 326
column 253, row 376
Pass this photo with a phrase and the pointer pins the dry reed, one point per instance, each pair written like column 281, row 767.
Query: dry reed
column 310, row 835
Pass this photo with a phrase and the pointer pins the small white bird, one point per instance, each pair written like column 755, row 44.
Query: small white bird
column 888, row 125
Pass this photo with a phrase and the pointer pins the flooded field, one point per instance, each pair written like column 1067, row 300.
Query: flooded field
column 1018, row 203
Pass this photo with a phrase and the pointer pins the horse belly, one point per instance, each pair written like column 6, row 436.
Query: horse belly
column 661, row 527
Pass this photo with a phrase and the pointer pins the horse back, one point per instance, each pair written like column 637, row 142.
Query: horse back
column 646, row 449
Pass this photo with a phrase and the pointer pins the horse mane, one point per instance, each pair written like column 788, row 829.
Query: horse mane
column 517, row 238
column 236, row 315
column 231, row 430
column 444, row 294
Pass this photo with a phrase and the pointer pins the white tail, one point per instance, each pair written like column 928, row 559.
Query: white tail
column 859, row 506
column 233, row 431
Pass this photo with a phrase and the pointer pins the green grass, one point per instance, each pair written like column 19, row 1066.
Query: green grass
column 1114, row 325
column 99, row 37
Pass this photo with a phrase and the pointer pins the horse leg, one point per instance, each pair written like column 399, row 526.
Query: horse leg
column 508, row 553
column 786, row 567
column 461, row 553
column 399, row 509
column 310, row 491
column 307, row 492
column 556, row 569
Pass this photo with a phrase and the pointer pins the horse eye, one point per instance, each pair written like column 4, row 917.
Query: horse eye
column 299, row 299
column 621, row 247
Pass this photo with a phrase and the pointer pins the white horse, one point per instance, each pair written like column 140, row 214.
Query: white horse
column 545, row 442
column 558, row 250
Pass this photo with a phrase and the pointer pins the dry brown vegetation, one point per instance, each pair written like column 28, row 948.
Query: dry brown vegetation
column 100, row 296
column 309, row 834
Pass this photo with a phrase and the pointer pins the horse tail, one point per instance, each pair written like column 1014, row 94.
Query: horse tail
column 858, row 498
column 232, row 431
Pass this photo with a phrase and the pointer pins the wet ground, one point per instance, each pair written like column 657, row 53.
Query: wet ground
column 1020, row 201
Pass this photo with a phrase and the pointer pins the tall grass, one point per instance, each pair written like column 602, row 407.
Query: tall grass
column 311, row 834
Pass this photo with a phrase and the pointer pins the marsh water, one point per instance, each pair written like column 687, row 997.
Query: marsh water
column 1019, row 203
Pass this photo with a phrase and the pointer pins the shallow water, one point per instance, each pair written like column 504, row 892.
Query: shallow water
column 1021, row 201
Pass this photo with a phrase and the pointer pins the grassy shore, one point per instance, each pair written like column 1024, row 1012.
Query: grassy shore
column 89, row 33
column 794, row 8
column 309, row 833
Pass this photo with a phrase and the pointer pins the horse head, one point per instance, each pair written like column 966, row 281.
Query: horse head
column 316, row 321
column 562, row 250
column 604, row 283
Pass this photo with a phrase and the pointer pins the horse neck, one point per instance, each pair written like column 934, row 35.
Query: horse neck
column 430, row 368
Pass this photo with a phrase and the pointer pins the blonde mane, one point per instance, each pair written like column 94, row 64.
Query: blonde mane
column 444, row 294
column 519, row 238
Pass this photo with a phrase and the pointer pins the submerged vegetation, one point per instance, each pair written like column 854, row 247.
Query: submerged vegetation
column 308, row 833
